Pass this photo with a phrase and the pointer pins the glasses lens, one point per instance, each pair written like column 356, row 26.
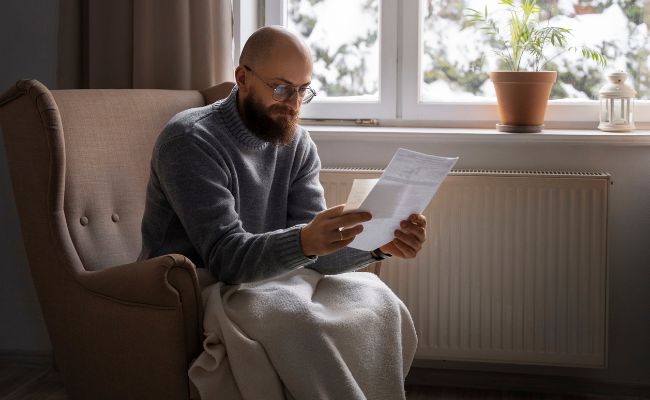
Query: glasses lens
column 282, row 92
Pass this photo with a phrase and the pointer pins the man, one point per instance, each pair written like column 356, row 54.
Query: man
column 234, row 185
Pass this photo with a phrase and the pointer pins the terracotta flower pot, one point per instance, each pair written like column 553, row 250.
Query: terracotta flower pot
column 522, row 98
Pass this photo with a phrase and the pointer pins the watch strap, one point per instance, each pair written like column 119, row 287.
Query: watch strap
column 378, row 255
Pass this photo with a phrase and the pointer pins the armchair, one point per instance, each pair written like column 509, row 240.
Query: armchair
column 79, row 165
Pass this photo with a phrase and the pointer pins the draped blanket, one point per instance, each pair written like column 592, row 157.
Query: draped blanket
column 304, row 336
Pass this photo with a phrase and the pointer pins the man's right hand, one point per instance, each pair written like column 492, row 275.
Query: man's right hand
column 322, row 235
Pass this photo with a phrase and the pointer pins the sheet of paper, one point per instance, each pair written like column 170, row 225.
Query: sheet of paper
column 406, row 187
column 358, row 193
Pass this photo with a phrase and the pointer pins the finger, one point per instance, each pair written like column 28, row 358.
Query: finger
column 333, row 211
column 350, row 233
column 418, row 219
column 350, row 219
column 406, row 250
column 414, row 229
column 409, row 239
column 343, row 234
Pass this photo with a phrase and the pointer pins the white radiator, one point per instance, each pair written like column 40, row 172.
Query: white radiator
column 514, row 269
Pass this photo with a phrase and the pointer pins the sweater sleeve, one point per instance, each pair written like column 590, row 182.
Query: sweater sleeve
column 196, row 183
column 306, row 199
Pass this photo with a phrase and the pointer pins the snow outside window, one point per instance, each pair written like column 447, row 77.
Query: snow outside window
column 444, row 66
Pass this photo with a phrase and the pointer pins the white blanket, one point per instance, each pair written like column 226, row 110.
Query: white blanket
column 304, row 336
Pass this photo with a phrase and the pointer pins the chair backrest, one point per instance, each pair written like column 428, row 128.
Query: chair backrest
column 99, row 142
column 109, row 136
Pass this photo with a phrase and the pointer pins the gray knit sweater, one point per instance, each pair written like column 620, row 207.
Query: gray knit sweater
column 232, row 202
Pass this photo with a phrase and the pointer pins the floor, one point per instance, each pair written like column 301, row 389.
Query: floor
column 30, row 383
column 40, row 383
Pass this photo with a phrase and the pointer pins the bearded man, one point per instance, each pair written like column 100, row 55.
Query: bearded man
column 234, row 185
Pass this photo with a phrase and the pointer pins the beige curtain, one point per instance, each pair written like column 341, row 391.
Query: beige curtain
column 165, row 44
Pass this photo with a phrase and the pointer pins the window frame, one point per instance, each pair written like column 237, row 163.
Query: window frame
column 400, row 67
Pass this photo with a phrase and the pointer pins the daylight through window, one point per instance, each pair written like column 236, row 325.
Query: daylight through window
column 456, row 60
column 435, row 64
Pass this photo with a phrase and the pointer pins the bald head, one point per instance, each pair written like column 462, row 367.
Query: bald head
column 270, row 43
column 273, row 58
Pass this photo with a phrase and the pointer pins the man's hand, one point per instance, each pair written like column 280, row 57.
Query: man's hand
column 409, row 238
column 322, row 235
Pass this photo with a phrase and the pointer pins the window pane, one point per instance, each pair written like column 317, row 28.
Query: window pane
column 344, row 39
column 455, row 62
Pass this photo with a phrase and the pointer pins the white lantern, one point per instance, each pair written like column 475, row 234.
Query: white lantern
column 616, row 104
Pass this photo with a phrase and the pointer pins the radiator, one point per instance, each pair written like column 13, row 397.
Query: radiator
column 514, row 269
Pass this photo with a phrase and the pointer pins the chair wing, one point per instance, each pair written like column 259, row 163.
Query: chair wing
column 79, row 165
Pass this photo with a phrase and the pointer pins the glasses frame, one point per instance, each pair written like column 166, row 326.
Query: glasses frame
column 294, row 90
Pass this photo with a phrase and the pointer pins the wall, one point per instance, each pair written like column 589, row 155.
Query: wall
column 28, row 34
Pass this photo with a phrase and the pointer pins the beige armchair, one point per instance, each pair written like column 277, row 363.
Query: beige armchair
column 79, row 164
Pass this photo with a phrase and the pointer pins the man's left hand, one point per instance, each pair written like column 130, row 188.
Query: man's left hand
column 409, row 238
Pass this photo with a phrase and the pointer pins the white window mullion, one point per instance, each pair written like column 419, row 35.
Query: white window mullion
column 275, row 12
column 246, row 21
column 410, row 60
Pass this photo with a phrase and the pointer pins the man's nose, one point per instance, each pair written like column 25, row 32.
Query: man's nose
column 294, row 101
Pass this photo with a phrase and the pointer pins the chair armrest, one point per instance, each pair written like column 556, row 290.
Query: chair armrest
column 217, row 92
column 147, row 283
column 137, row 326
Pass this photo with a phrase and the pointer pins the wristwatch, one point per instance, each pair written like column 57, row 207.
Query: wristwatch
column 378, row 255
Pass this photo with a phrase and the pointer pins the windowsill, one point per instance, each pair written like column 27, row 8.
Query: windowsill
column 387, row 134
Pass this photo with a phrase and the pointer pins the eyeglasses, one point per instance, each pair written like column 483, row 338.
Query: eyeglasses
column 283, row 92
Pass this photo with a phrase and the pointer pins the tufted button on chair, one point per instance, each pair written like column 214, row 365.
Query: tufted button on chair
column 79, row 164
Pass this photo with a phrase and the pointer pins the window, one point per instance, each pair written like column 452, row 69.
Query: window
column 415, row 59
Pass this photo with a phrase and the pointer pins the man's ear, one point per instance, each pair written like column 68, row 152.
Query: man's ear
column 240, row 78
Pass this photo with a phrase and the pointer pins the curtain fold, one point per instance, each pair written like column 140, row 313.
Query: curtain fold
column 164, row 44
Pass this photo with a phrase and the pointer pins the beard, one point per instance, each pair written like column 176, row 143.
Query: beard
column 259, row 120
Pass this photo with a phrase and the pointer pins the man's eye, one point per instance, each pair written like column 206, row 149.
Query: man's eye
column 282, row 89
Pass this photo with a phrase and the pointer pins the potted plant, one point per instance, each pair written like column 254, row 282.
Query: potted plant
column 523, row 88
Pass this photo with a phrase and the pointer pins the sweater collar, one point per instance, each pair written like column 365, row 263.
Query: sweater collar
column 235, row 125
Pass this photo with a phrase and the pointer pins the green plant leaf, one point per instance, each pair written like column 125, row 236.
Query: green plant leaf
column 526, row 40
